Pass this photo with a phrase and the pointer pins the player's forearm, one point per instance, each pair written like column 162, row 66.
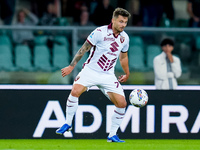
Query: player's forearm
column 126, row 70
column 76, row 59
column 189, row 10
column 85, row 48
column 124, row 64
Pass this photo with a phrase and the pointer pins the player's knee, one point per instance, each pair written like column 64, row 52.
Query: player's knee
column 77, row 90
column 75, row 93
column 122, row 104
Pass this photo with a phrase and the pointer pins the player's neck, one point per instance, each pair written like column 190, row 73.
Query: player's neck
column 115, row 32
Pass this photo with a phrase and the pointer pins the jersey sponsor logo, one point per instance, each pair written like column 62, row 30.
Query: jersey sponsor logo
column 113, row 54
column 109, row 39
column 122, row 39
column 105, row 63
column 98, row 29
column 114, row 47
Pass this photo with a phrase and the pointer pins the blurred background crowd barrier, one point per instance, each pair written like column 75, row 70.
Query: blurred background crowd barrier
column 54, row 48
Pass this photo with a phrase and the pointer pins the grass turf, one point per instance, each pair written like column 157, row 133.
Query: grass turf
column 88, row 144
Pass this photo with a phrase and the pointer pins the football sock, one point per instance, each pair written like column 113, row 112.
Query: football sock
column 71, row 107
column 116, row 120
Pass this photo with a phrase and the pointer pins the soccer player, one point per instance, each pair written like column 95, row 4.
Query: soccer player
column 106, row 44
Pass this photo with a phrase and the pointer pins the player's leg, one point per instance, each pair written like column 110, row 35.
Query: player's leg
column 71, row 107
column 118, row 115
column 72, row 102
column 114, row 91
column 117, row 99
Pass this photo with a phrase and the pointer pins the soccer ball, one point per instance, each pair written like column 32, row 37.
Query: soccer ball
column 138, row 97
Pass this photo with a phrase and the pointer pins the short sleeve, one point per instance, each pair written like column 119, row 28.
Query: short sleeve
column 126, row 46
column 94, row 37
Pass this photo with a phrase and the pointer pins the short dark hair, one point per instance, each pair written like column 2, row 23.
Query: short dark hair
column 120, row 11
column 167, row 41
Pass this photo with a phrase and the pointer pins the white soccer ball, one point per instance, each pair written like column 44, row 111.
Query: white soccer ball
column 138, row 97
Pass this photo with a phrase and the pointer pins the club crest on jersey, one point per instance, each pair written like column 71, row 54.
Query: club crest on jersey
column 122, row 39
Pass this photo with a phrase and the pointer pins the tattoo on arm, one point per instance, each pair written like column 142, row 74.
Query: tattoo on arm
column 85, row 48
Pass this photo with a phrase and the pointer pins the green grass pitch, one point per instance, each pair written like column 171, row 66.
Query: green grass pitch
column 96, row 144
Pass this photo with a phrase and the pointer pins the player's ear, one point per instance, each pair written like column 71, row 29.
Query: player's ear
column 113, row 19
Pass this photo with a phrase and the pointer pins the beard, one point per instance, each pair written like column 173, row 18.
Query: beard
column 119, row 29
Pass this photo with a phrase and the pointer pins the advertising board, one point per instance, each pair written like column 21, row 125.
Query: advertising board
column 37, row 113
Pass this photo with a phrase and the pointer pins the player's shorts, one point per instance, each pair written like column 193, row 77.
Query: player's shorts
column 105, row 82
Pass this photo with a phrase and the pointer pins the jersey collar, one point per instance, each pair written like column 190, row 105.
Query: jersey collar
column 111, row 31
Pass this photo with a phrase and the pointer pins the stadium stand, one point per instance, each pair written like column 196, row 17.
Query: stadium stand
column 136, row 57
column 6, row 59
column 62, row 40
column 152, row 51
column 181, row 23
column 5, row 40
column 23, row 58
column 40, row 40
column 41, row 58
column 60, row 57
column 62, row 21
column 136, row 40
column 197, row 43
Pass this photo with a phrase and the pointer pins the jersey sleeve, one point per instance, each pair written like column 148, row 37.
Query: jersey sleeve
column 126, row 45
column 94, row 37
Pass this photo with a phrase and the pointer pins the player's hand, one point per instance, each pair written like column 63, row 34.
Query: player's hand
column 123, row 78
column 67, row 70
column 196, row 19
